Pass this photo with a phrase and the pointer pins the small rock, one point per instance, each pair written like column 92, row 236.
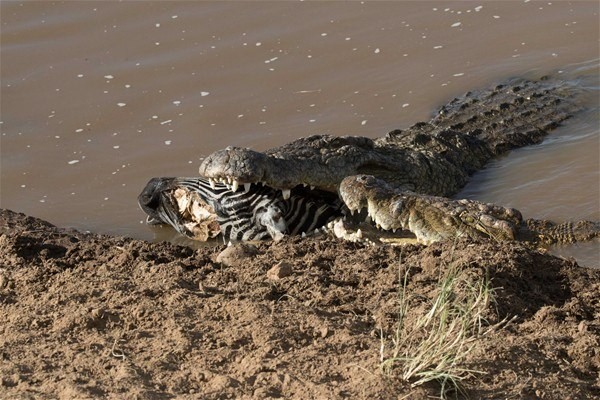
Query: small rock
column 234, row 255
column 324, row 332
column 279, row 271
column 3, row 281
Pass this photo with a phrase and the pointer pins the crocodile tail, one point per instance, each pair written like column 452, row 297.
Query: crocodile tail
column 514, row 114
column 472, row 129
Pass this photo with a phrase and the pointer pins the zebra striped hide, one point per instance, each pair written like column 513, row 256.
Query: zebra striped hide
column 201, row 209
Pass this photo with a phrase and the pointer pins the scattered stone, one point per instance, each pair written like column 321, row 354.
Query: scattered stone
column 3, row 281
column 97, row 313
column 234, row 255
column 324, row 332
column 279, row 271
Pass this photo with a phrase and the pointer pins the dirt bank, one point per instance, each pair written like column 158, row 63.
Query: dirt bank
column 87, row 316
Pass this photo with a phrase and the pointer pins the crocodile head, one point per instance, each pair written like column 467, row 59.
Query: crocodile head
column 319, row 161
column 430, row 218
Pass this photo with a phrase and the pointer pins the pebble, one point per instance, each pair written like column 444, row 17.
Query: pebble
column 234, row 255
column 279, row 271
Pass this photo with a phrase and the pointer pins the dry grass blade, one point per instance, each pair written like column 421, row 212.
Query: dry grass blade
column 436, row 346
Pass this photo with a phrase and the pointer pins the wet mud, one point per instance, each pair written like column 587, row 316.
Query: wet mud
column 88, row 315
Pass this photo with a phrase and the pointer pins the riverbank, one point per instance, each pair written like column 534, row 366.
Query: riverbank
column 89, row 316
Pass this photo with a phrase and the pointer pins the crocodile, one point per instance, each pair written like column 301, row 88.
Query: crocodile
column 418, row 167
column 434, row 218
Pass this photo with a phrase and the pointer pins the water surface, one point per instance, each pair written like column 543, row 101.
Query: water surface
column 97, row 97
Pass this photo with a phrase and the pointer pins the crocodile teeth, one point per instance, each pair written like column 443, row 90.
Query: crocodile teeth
column 303, row 234
column 359, row 233
column 312, row 187
column 286, row 193
column 235, row 185
column 212, row 183
column 247, row 187
column 229, row 180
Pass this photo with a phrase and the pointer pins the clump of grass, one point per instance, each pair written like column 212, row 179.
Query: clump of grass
column 436, row 346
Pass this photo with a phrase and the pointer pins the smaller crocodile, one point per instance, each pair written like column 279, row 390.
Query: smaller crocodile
column 433, row 218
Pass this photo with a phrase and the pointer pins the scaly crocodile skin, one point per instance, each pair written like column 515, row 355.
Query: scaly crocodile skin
column 400, row 177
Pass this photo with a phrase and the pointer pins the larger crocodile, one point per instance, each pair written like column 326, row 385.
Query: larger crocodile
column 432, row 158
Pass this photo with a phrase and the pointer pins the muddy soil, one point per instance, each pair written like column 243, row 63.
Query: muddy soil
column 88, row 316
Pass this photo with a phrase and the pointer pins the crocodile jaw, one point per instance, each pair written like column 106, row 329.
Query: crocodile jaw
column 236, row 167
column 383, row 205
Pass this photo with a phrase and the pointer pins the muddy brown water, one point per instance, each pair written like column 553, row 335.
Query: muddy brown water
column 97, row 97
